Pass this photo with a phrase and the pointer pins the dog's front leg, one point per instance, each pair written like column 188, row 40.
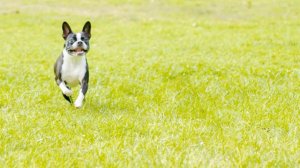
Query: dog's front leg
column 82, row 92
column 66, row 91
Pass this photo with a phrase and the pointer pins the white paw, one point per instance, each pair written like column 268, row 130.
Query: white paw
column 67, row 92
column 78, row 103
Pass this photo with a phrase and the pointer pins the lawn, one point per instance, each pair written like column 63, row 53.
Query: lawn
column 173, row 83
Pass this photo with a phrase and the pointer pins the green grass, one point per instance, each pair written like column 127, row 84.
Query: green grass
column 172, row 84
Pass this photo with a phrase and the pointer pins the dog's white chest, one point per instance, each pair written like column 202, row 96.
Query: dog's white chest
column 73, row 69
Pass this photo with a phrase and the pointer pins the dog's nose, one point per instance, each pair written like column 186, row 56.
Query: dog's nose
column 79, row 43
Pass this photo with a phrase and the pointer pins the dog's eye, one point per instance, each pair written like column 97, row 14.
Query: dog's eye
column 82, row 38
column 74, row 38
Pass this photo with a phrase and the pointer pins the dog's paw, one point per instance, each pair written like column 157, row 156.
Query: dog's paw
column 78, row 104
column 67, row 92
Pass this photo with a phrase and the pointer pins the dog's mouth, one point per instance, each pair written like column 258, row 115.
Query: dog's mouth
column 78, row 51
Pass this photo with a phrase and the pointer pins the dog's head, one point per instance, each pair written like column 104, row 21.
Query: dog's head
column 77, row 44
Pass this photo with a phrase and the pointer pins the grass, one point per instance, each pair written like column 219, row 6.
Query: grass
column 172, row 84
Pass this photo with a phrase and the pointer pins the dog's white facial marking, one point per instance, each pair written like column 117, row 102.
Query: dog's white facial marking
column 77, row 49
column 78, row 102
column 78, row 37
column 64, row 89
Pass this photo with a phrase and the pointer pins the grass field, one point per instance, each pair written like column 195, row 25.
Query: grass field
column 173, row 83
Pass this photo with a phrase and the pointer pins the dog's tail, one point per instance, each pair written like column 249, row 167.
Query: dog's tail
column 68, row 98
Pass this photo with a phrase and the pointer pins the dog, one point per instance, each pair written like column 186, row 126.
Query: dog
column 71, row 67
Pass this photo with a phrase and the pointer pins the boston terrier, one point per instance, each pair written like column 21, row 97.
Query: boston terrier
column 71, row 67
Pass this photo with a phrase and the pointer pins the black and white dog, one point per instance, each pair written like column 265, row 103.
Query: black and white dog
column 71, row 67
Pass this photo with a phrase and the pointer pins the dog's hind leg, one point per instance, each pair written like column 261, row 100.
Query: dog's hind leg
column 68, row 98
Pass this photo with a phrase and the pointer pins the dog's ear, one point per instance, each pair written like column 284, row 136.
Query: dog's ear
column 66, row 30
column 87, row 28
